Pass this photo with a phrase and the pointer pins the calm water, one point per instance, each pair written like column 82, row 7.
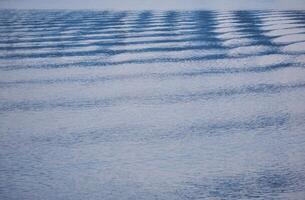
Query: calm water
column 152, row 105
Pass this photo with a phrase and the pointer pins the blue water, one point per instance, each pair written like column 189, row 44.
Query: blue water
column 152, row 105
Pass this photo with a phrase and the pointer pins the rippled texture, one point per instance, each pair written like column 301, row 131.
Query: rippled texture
column 152, row 105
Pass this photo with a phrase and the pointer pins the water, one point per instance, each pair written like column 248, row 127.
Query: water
column 152, row 105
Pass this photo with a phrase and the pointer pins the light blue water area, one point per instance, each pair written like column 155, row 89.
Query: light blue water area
column 152, row 105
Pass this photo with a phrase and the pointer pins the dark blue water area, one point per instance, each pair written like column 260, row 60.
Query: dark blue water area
column 150, row 105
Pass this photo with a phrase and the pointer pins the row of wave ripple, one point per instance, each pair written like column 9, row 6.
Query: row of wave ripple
column 152, row 104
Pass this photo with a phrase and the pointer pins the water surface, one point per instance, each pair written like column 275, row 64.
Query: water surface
column 152, row 105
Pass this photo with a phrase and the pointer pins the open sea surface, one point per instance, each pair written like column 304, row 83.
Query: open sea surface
column 165, row 105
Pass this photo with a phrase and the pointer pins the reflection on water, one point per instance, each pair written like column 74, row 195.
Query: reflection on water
column 152, row 105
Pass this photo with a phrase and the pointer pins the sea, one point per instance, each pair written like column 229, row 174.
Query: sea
column 152, row 105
